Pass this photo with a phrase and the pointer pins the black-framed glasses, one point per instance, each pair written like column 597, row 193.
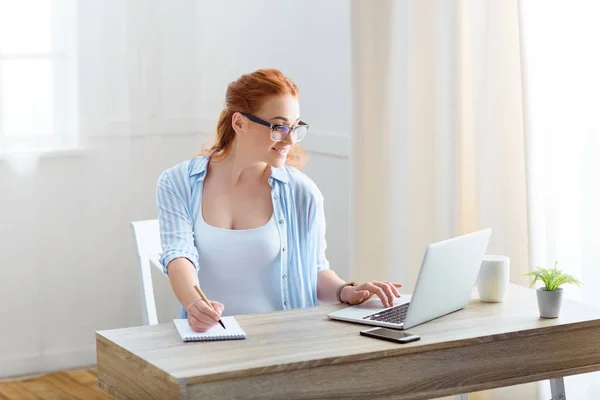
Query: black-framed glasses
column 280, row 132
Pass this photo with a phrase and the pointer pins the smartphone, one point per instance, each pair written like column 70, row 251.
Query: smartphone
column 392, row 335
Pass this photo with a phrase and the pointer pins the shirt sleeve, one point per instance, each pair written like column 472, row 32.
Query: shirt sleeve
column 176, row 224
column 318, row 232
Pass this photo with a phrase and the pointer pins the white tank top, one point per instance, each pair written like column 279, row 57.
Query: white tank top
column 240, row 268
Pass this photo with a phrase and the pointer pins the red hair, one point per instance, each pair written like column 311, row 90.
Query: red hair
column 248, row 94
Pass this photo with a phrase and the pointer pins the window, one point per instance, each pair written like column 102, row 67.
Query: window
column 38, row 86
column 563, row 91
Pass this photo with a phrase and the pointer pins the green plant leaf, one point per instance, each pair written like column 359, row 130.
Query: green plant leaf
column 552, row 278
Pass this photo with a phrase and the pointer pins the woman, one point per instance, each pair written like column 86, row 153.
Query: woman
column 242, row 222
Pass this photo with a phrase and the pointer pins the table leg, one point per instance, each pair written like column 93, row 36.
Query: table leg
column 557, row 389
column 464, row 396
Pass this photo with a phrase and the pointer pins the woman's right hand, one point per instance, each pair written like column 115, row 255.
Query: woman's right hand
column 201, row 317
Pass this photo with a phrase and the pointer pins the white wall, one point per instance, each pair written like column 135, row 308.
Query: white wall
column 153, row 75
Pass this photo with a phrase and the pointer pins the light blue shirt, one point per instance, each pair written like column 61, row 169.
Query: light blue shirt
column 298, row 209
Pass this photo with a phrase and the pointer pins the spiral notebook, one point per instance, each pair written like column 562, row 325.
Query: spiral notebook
column 233, row 331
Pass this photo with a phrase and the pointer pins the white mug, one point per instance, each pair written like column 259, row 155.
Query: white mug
column 493, row 278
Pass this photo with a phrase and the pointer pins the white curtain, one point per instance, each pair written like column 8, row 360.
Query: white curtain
column 438, row 140
column 562, row 98
column 442, row 108
column 562, row 76
column 438, row 145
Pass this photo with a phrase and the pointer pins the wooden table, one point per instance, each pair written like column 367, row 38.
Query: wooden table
column 300, row 354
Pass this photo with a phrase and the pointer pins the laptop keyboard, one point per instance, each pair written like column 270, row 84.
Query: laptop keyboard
column 394, row 315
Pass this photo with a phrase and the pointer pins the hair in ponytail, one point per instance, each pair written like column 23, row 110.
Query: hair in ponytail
column 248, row 94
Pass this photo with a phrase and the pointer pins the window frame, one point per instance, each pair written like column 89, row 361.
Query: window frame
column 63, row 59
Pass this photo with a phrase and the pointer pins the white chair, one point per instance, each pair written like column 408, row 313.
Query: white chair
column 146, row 242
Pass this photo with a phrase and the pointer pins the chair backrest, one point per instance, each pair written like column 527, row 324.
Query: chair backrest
column 146, row 243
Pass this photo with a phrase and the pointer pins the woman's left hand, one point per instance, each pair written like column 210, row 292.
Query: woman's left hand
column 386, row 291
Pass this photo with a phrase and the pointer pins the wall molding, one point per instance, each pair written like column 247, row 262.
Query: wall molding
column 48, row 361
column 321, row 142
column 327, row 143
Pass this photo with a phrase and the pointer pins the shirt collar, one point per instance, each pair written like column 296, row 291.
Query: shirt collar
column 200, row 163
column 198, row 166
column 280, row 174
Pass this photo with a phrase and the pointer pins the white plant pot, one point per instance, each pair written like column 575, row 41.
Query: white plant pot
column 549, row 302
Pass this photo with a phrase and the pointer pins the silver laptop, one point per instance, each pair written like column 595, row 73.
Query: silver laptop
column 445, row 283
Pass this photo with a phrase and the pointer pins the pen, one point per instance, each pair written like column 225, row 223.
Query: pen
column 207, row 302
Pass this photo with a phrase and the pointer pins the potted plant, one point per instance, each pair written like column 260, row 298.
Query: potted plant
column 550, row 295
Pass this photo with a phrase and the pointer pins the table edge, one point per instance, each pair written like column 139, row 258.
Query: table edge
column 391, row 352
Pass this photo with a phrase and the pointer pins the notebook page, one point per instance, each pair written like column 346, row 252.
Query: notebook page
column 233, row 331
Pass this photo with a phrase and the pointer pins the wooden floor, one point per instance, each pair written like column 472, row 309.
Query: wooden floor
column 81, row 384
column 68, row 385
